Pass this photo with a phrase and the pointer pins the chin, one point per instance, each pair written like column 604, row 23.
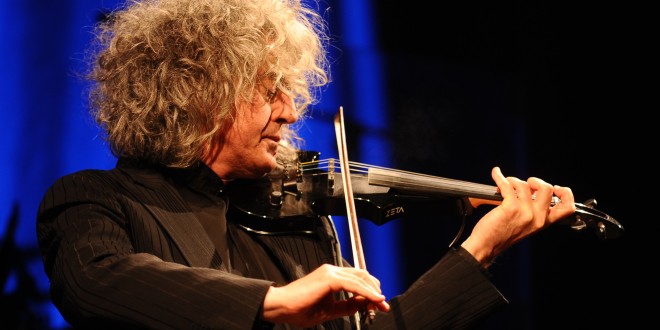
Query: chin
column 267, row 165
column 272, row 165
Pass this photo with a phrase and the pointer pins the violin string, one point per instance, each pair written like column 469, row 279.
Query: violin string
column 419, row 180
column 585, row 211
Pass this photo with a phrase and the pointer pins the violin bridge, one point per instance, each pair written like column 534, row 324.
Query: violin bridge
column 331, row 177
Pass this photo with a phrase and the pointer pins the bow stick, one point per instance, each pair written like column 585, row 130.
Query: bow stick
column 356, row 243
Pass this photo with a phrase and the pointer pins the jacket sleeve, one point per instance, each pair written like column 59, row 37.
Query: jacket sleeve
column 98, row 280
column 455, row 293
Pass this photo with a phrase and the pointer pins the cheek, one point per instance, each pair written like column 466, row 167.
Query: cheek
column 249, row 125
column 255, row 119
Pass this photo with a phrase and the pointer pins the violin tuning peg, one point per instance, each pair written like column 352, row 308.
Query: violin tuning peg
column 296, row 194
column 578, row 224
column 276, row 198
column 591, row 202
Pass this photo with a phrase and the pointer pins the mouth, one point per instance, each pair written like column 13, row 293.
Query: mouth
column 272, row 142
column 275, row 138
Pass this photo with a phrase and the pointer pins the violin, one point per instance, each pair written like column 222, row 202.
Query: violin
column 290, row 198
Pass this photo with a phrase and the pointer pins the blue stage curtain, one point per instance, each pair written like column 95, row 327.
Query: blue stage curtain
column 47, row 132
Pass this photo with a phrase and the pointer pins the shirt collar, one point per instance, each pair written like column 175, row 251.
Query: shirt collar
column 199, row 177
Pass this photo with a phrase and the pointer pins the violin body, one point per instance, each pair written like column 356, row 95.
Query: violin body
column 292, row 197
column 287, row 201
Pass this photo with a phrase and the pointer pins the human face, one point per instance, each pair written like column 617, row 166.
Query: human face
column 247, row 146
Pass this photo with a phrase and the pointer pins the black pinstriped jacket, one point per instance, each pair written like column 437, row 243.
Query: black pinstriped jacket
column 123, row 249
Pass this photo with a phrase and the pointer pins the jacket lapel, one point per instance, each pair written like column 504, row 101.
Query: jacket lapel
column 169, row 209
column 187, row 234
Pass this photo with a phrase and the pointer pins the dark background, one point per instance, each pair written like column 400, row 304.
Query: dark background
column 553, row 89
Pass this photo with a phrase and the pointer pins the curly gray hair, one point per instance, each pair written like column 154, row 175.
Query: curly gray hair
column 167, row 73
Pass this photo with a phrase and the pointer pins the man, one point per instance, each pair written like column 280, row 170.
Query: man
column 194, row 95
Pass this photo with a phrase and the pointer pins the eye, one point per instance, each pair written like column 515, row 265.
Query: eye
column 270, row 95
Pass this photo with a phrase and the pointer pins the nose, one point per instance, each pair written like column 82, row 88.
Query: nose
column 283, row 109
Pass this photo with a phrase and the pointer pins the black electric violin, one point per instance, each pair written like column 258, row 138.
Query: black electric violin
column 290, row 198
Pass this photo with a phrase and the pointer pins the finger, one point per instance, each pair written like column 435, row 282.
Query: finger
column 365, row 276
column 566, row 205
column 357, row 303
column 541, row 192
column 358, row 282
column 503, row 185
column 374, row 283
column 523, row 191
column 542, row 197
column 565, row 195
column 369, row 279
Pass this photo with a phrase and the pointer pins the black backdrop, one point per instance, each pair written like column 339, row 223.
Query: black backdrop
column 540, row 88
